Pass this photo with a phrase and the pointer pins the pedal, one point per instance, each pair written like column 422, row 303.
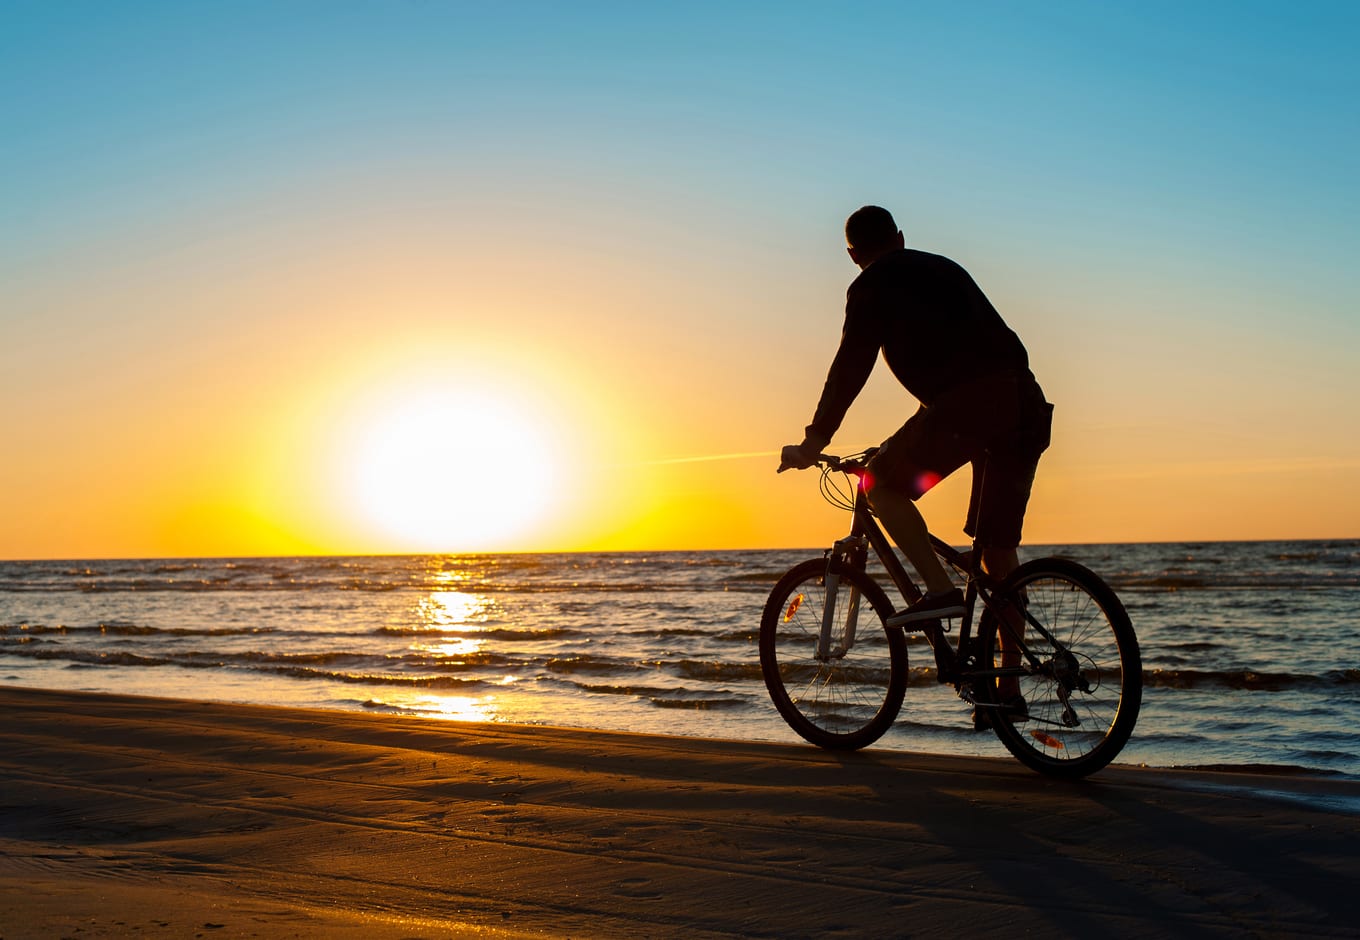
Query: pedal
column 917, row 626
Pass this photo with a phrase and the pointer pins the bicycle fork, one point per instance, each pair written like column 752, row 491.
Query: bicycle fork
column 826, row 637
column 826, row 645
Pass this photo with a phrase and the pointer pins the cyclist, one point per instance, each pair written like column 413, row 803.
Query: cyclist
column 948, row 346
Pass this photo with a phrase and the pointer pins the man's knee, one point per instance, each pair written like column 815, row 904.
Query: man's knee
column 999, row 562
column 883, row 495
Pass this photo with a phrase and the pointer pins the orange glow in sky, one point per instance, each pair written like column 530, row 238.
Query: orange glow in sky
column 412, row 278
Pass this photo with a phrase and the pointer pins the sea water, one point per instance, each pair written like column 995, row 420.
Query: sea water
column 1251, row 650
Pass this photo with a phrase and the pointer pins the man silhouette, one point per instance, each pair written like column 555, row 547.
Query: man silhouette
column 948, row 346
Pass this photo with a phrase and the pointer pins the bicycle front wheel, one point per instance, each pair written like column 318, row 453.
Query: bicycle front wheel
column 1082, row 682
column 834, row 670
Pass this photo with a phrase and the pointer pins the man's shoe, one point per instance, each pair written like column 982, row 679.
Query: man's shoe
column 1014, row 710
column 931, row 607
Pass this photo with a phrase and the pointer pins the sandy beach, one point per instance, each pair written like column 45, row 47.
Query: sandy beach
column 160, row 818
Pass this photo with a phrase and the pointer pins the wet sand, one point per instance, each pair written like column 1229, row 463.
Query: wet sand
column 159, row 818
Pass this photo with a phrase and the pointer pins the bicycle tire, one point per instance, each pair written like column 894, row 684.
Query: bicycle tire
column 1101, row 673
column 846, row 700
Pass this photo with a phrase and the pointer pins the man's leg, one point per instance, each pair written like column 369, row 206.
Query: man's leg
column 924, row 450
column 999, row 562
column 904, row 523
column 998, row 514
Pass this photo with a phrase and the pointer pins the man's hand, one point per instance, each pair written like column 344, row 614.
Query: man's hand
column 796, row 457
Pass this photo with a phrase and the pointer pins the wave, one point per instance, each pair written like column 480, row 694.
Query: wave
column 273, row 665
column 1257, row 769
column 662, row 697
column 382, row 679
column 1164, row 582
column 641, row 691
column 1246, row 679
column 128, row 629
column 103, row 657
column 466, row 632
column 415, row 662
column 699, row 704
column 703, row 669
column 1320, row 581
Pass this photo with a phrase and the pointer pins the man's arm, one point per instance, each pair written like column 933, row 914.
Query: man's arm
column 850, row 369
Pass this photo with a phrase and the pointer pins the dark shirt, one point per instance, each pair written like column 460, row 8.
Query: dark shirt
column 936, row 328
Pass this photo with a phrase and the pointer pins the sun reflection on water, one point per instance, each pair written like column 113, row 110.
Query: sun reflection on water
column 440, row 614
column 462, row 648
column 453, row 609
column 455, row 707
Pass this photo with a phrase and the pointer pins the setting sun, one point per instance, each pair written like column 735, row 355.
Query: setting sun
column 451, row 469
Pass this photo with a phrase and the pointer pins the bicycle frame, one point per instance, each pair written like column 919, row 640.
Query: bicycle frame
column 953, row 666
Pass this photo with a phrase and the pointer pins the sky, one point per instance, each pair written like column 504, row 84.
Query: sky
column 316, row 276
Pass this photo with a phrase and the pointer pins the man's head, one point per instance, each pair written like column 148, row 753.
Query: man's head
column 870, row 233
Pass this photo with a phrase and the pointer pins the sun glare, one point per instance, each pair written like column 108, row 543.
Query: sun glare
column 452, row 471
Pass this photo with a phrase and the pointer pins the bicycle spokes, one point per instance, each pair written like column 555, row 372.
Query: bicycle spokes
column 1081, row 680
column 836, row 681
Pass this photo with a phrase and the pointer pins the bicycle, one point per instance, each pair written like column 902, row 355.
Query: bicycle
column 1074, row 655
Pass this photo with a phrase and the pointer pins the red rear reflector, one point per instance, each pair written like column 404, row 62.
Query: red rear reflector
column 1047, row 740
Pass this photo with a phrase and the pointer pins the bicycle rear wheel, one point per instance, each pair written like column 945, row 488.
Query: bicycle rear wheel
column 1082, row 691
column 840, row 688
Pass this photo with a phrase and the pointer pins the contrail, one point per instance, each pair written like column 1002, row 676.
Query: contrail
column 710, row 457
column 704, row 459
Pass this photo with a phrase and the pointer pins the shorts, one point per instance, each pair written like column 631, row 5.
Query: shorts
column 1000, row 424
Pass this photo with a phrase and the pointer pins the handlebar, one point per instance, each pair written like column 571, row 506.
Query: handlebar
column 792, row 458
column 855, row 464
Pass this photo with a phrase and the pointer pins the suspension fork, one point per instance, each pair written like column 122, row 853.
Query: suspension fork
column 850, row 551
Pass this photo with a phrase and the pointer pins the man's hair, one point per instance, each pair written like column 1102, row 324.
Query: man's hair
column 870, row 228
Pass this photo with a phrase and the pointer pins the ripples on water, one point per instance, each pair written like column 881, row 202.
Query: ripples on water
column 1251, row 650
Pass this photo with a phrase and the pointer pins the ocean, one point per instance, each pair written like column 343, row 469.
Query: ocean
column 1251, row 650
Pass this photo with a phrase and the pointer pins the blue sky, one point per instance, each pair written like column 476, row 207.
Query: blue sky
column 1160, row 197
